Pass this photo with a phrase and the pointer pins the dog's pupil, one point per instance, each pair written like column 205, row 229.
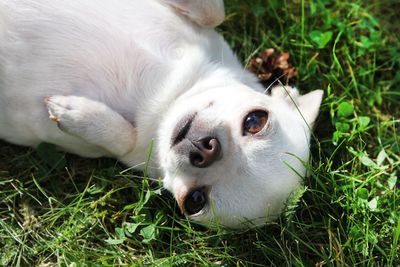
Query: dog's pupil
column 251, row 122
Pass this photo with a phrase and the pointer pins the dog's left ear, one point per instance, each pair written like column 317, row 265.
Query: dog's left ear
column 309, row 105
column 206, row 13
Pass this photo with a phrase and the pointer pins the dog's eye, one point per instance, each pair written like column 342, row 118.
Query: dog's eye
column 254, row 122
column 195, row 201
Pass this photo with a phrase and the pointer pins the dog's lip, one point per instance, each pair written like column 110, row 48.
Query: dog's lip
column 182, row 128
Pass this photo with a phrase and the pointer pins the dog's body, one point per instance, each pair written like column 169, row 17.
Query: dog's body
column 117, row 75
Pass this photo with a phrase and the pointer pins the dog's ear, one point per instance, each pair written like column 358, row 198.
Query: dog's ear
column 309, row 105
column 206, row 13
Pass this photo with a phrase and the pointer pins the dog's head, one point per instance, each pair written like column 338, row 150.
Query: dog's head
column 233, row 155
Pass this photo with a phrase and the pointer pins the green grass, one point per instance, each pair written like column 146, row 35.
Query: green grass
column 73, row 211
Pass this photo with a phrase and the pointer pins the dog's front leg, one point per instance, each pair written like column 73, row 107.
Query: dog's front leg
column 93, row 122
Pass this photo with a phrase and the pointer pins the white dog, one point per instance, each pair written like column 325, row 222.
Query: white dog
column 114, row 75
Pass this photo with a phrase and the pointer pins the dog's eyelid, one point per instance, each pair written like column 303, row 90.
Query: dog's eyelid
column 201, row 212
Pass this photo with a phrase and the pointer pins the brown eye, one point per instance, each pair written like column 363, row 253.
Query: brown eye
column 195, row 201
column 254, row 122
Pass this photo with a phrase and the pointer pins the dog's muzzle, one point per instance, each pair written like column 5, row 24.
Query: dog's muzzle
column 198, row 146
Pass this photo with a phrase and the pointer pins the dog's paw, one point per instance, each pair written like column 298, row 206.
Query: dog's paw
column 72, row 113
column 93, row 122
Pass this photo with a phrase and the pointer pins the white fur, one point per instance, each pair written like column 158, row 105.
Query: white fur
column 116, row 75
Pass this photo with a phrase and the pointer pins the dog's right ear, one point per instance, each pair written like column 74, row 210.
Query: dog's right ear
column 309, row 104
column 206, row 13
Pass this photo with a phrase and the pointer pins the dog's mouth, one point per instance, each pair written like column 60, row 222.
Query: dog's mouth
column 182, row 128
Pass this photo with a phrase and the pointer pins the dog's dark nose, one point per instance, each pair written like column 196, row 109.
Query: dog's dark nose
column 204, row 152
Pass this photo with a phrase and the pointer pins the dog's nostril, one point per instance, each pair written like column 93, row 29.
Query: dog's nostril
column 213, row 145
column 209, row 145
column 196, row 159
column 206, row 151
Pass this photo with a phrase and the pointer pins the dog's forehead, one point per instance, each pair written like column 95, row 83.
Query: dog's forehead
column 241, row 94
column 230, row 102
column 230, row 92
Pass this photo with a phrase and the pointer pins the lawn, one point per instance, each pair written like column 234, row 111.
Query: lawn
column 59, row 209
